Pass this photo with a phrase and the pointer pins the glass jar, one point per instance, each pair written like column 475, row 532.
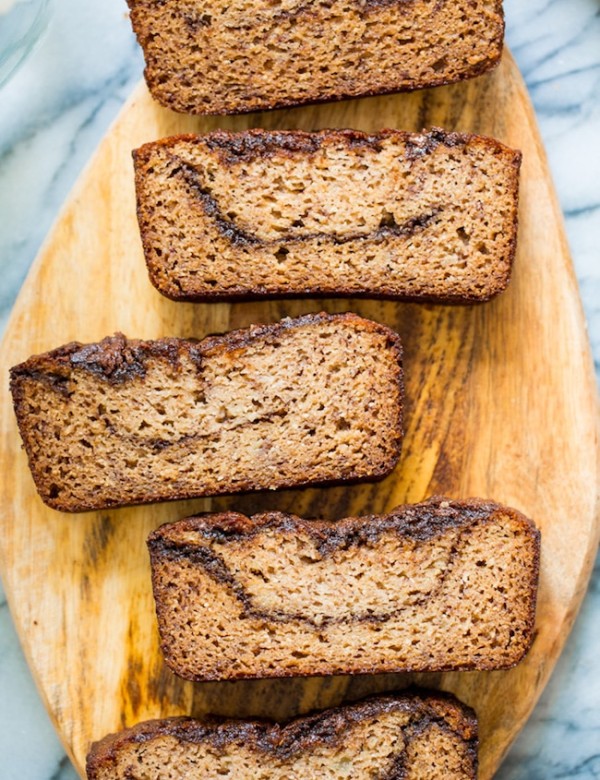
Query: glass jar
column 21, row 24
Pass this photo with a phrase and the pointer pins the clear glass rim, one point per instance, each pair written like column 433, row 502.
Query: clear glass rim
column 13, row 55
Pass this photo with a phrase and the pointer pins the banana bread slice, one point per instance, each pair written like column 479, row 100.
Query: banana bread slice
column 307, row 400
column 227, row 57
column 397, row 737
column 443, row 585
column 338, row 212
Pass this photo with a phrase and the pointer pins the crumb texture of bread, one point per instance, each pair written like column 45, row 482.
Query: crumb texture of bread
column 421, row 216
column 308, row 400
column 402, row 737
column 443, row 585
column 232, row 57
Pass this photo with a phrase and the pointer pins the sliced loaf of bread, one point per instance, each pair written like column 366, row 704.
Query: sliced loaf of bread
column 235, row 56
column 443, row 585
column 429, row 216
column 399, row 737
column 307, row 400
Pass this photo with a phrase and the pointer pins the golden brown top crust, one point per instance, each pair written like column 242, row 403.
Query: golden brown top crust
column 419, row 522
column 299, row 735
column 235, row 147
column 118, row 359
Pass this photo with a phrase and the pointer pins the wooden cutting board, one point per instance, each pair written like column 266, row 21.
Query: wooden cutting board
column 501, row 404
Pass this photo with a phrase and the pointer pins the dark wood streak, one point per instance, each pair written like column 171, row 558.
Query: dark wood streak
column 96, row 543
column 133, row 683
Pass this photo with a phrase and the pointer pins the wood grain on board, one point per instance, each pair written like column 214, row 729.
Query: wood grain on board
column 501, row 404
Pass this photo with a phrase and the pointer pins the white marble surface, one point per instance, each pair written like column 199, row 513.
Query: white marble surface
column 53, row 113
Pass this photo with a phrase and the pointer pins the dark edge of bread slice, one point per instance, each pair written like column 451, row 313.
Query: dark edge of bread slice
column 257, row 142
column 441, row 513
column 117, row 358
column 302, row 733
column 480, row 69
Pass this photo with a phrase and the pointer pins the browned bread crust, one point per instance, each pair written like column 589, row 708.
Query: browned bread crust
column 314, row 399
column 429, row 736
column 413, row 216
column 233, row 57
column 439, row 586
